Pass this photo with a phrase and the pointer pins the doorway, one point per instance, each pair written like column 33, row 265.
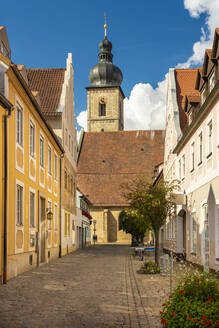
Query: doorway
column 42, row 230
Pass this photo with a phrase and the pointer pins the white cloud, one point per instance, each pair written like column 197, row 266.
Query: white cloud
column 145, row 107
column 82, row 119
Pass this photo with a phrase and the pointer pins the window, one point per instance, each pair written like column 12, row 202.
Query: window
column 66, row 179
column 217, row 234
column 102, row 107
column 19, row 125
column 42, row 151
column 32, row 209
column 55, row 217
column 49, row 160
column 180, row 169
column 211, row 82
column 20, row 192
column 190, row 117
column 32, row 139
column 69, row 226
column 55, row 167
column 71, row 185
column 192, row 156
column 49, row 209
column 202, row 96
column 210, row 138
column 183, row 166
column 69, row 142
column 66, row 224
column 193, row 235
column 200, row 147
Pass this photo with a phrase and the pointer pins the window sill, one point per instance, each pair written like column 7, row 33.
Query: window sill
column 200, row 163
column 183, row 179
column 193, row 253
column 33, row 156
column 192, row 170
column 209, row 155
column 20, row 225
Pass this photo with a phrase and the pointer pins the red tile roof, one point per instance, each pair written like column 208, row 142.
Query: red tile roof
column 48, row 82
column 185, row 84
column 108, row 159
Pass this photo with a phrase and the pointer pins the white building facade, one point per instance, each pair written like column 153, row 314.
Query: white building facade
column 192, row 160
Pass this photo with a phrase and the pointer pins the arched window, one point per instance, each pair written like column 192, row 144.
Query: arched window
column 121, row 220
column 102, row 107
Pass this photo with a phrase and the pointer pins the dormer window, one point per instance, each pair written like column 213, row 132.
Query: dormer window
column 202, row 96
column 102, row 107
column 211, row 82
column 190, row 117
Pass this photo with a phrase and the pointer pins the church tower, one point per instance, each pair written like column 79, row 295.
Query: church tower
column 105, row 96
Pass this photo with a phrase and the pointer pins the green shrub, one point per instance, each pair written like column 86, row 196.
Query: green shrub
column 150, row 268
column 194, row 303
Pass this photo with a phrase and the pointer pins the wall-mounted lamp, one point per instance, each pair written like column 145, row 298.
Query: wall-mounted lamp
column 49, row 214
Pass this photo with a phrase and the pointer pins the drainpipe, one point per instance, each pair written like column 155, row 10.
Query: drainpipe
column 60, row 206
column 9, row 107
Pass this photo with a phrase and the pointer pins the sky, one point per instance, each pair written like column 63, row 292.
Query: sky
column 148, row 38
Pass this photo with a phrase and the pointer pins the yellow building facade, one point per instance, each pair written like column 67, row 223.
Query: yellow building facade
column 33, row 164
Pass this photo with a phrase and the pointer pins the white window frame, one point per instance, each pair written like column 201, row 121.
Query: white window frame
column 212, row 81
column 203, row 97
column 194, row 240
column 49, row 164
column 42, row 153
column 55, row 166
column 210, row 137
column 200, row 148
column 19, row 124
column 19, row 223
column 32, row 139
column 192, row 156
column 32, row 191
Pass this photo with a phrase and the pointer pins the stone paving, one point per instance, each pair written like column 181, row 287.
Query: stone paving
column 92, row 287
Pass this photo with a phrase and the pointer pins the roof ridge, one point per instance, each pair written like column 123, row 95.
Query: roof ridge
column 124, row 131
column 187, row 69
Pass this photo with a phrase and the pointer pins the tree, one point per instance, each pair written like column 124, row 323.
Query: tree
column 153, row 201
column 134, row 223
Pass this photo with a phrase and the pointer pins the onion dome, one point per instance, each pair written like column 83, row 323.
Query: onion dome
column 105, row 73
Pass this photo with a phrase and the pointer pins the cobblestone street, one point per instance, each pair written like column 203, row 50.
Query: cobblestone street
column 92, row 287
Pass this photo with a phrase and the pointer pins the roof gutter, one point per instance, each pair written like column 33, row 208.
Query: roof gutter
column 9, row 107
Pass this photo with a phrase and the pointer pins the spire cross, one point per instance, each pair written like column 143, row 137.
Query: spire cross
column 105, row 26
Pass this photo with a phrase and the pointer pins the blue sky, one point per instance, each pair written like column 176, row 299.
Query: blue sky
column 148, row 37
